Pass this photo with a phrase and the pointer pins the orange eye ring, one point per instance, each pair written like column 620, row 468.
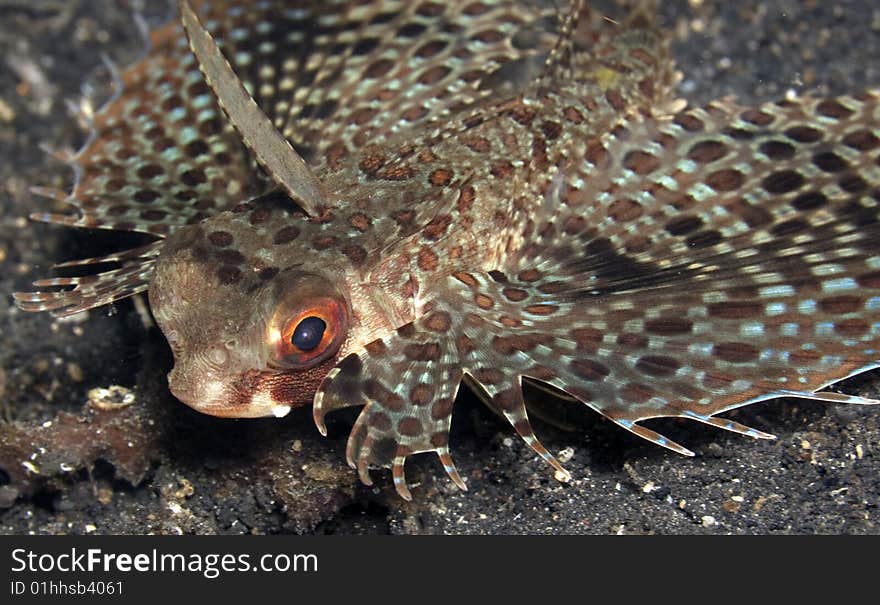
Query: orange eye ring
column 312, row 334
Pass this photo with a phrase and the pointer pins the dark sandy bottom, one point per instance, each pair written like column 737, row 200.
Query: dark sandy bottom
column 157, row 467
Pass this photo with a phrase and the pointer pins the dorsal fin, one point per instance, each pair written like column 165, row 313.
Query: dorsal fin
column 335, row 77
column 628, row 55
column 273, row 151
column 559, row 61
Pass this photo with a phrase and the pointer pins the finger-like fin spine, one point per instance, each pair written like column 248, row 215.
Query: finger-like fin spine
column 90, row 291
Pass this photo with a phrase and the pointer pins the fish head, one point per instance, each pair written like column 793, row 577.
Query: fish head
column 255, row 318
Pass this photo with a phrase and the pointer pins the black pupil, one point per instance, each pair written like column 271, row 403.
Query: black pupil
column 308, row 333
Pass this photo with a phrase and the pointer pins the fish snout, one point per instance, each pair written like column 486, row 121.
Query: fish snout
column 239, row 397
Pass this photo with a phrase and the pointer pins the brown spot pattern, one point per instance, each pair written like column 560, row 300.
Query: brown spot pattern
column 440, row 177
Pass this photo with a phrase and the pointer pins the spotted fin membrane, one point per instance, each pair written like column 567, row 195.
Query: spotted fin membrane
column 674, row 263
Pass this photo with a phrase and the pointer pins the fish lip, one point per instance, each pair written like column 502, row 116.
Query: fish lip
column 220, row 409
column 226, row 404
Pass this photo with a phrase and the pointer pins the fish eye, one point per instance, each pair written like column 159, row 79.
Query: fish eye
column 308, row 333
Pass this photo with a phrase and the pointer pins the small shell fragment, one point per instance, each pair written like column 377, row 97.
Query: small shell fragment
column 111, row 398
column 565, row 455
column 562, row 477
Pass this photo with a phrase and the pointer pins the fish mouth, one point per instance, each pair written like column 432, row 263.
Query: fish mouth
column 220, row 399
column 220, row 410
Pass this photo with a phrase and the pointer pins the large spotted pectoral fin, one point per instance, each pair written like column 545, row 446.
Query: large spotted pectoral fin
column 689, row 265
column 688, row 346
column 408, row 382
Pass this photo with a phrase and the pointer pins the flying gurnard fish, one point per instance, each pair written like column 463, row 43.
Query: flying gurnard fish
column 368, row 203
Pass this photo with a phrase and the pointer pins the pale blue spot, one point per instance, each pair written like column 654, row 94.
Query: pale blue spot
column 873, row 303
column 825, row 328
column 825, row 270
column 239, row 34
column 171, row 154
column 776, row 308
column 835, row 285
column 206, row 114
column 669, row 182
column 188, row 134
column 752, row 328
column 192, row 78
column 767, row 355
column 625, row 423
column 201, row 101
column 779, row 291
column 789, row 329
column 700, row 348
column 807, row 307
column 688, row 166
column 832, row 360
column 740, row 385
